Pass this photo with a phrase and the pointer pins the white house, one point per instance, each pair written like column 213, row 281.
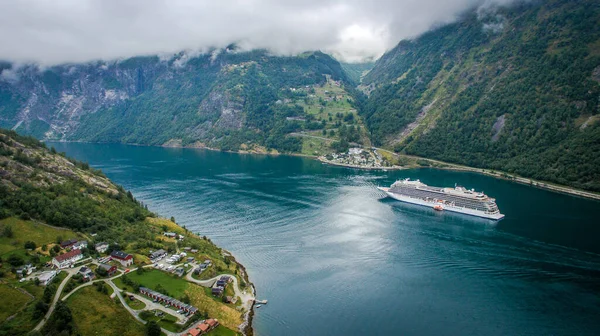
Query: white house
column 101, row 247
column 79, row 245
column 46, row 277
column 124, row 258
column 67, row 259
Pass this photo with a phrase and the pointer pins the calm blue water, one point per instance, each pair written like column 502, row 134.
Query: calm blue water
column 334, row 257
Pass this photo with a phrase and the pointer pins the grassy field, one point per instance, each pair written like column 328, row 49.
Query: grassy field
column 166, row 321
column 226, row 314
column 152, row 278
column 222, row 331
column 313, row 146
column 29, row 231
column 95, row 313
column 13, row 301
column 135, row 304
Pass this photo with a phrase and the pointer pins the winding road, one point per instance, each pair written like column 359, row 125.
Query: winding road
column 55, row 300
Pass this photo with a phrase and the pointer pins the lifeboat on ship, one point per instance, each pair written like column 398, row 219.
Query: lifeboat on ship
column 438, row 207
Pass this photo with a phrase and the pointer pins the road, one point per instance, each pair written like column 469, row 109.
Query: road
column 71, row 271
column 247, row 298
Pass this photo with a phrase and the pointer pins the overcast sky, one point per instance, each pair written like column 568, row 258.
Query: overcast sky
column 59, row 31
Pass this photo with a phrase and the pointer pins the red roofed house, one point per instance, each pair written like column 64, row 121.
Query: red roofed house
column 124, row 258
column 203, row 327
column 67, row 259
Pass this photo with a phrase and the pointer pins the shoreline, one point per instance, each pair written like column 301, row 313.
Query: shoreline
column 347, row 165
column 444, row 166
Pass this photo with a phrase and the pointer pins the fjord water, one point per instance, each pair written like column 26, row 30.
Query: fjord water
column 334, row 257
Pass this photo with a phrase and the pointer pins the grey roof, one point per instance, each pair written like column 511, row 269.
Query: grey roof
column 170, row 300
column 105, row 266
column 119, row 254
column 157, row 253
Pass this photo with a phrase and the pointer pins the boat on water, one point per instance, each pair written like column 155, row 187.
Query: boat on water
column 457, row 199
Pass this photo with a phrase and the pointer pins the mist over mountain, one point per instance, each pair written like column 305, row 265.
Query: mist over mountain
column 63, row 31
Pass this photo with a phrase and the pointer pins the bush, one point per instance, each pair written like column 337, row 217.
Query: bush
column 7, row 232
column 152, row 329
column 30, row 245
column 15, row 260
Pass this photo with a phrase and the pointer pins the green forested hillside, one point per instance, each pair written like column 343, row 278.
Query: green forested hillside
column 514, row 89
column 356, row 71
column 220, row 100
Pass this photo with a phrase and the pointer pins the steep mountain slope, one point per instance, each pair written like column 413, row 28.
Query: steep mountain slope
column 356, row 71
column 46, row 198
column 221, row 99
column 514, row 89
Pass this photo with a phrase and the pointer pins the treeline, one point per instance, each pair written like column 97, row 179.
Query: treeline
column 72, row 204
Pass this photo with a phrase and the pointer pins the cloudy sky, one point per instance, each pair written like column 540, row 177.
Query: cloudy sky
column 59, row 31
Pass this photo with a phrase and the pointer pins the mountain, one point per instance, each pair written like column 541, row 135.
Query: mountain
column 220, row 99
column 356, row 71
column 506, row 88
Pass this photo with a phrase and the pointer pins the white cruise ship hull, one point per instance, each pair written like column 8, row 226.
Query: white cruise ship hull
column 444, row 207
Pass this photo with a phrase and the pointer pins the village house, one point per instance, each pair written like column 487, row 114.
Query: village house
column 158, row 254
column 110, row 269
column 179, row 271
column 79, row 245
column 125, row 259
column 217, row 291
column 46, row 277
column 86, row 273
column 67, row 259
column 170, row 234
column 223, row 281
column 101, row 247
column 68, row 243
column 203, row 327
column 25, row 270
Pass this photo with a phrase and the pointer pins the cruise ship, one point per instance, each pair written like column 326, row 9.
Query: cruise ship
column 457, row 199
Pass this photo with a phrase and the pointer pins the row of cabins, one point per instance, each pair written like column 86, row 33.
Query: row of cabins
column 168, row 300
column 203, row 327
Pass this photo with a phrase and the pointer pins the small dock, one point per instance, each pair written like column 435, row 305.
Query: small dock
column 264, row 302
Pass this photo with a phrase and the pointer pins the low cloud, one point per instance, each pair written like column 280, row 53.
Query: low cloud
column 62, row 31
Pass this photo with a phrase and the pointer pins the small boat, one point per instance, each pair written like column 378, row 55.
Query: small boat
column 258, row 306
column 438, row 207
